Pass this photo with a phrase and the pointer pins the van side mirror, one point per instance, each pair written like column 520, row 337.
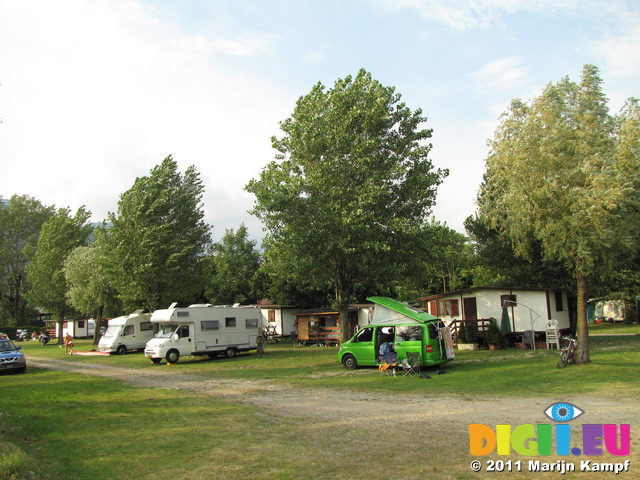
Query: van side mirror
column 175, row 337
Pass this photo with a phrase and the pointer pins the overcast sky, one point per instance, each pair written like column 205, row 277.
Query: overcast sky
column 96, row 93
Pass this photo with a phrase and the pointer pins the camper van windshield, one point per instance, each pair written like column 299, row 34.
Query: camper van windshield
column 166, row 331
column 113, row 331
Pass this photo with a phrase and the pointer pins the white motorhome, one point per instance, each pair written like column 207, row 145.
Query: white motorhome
column 203, row 330
column 131, row 332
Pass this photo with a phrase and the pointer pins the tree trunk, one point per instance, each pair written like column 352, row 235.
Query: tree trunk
column 98, row 322
column 342, row 303
column 60, row 333
column 581, row 355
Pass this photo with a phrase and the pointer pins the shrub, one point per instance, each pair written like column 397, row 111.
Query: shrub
column 494, row 335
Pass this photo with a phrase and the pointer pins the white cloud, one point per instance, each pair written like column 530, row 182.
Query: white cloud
column 500, row 74
column 465, row 15
column 246, row 45
column 94, row 95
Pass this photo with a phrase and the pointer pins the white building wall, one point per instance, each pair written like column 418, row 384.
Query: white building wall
column 488, row 305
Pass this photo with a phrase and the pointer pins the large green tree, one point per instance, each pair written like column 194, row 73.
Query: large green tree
column 152, row 250
column 350, row 185
column 563, row 173
column 58, row 237
column 21, row 218
column 235, row 263
column 89, row 289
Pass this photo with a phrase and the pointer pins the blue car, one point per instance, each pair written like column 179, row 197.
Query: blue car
column 11, row 359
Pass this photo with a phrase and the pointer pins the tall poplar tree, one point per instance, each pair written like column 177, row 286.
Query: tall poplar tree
column 350, row 185
column 564, row 173
column 152, row 249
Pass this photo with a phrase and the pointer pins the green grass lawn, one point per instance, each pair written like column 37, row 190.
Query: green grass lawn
column 56, row 425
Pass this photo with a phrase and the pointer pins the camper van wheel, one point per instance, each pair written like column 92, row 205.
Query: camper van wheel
column 349, row 362
column 121, row 350
column 230, row 353
column 172, row 356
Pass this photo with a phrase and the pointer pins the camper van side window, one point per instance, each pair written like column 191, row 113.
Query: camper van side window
column 409, row 333
column 230, row 322
column 128, row 330
column 365, row 335
column 144, row 326
column 251, row 323
column 210, row 325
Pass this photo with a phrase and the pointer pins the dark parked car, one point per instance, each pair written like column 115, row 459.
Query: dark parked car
column 11, row 359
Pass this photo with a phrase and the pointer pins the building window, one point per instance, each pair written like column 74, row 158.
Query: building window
column 272, row 316
column 510, row 299
column 559, row 306
column 80, row 323
column 448, row 308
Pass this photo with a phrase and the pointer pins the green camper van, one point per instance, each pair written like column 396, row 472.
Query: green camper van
column 410, row 329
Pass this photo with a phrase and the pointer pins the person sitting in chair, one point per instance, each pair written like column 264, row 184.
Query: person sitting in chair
column 388, row 353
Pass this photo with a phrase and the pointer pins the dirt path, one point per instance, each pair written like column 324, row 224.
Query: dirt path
column 344, row 408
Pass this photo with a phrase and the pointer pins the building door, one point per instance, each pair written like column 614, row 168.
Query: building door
column 470, row 308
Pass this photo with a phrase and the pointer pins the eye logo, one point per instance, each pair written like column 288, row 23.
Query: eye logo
column 563, row 412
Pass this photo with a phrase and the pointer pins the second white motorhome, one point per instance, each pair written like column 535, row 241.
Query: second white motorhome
column 131, row 332
column 203, row 330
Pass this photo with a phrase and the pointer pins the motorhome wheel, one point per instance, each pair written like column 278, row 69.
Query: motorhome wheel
column 172, row 356
column 121, row 350
column 230, row 353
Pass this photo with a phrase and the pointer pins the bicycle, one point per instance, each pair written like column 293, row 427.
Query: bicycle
column 566, row 352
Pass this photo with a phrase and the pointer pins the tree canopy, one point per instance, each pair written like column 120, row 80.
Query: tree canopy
column 58, row 237
column 152, row 249
column 89, row 290
column 351, row 183
column 563, row 173
column 21, row 218
column 235, row 263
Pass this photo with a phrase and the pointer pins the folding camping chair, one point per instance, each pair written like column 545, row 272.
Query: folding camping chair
column 388, row 360
column 411, row 365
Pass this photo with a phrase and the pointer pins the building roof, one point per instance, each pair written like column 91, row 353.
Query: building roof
column 475, row 289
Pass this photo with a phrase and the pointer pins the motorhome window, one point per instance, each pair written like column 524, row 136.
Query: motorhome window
column 251, row 323
column 364, row 335
column 112, row 331
column 183, row 331
column 128, row 330
column 144, row 326
column 166, row 331
column 183, row 314
column 409, row 333
column 210, row 325
column 230, row 322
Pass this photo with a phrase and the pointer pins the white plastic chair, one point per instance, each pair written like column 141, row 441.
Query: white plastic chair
column 552, row 334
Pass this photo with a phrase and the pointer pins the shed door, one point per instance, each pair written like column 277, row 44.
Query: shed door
column 470, row 308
